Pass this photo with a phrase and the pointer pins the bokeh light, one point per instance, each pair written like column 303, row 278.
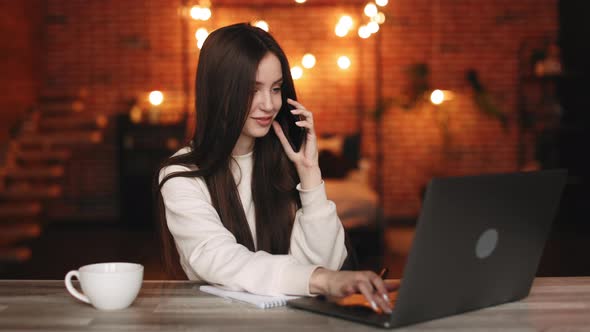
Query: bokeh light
column 156, row 97
column 296, row 72
column 437, row 97
column 262, row 25
column 344, row 62
column 308, row 60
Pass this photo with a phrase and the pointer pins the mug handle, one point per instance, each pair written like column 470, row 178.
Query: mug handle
column 72, row 289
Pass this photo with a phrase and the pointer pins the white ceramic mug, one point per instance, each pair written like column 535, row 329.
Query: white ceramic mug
column 107, row 286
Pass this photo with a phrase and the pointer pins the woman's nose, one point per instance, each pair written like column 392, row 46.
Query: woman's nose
column 266, row 103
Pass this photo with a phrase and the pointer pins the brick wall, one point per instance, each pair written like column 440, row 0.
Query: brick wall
column 20, row 59
column 451, row 37
column 120, row 49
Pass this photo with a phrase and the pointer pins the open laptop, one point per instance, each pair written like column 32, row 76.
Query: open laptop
column 478, row 243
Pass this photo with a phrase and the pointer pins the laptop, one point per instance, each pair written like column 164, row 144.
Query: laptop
column 477, row 244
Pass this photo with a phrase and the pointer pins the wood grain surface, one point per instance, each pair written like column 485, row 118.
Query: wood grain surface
column 555, row 304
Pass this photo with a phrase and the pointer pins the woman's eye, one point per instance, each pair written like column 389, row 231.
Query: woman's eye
column 277, row 89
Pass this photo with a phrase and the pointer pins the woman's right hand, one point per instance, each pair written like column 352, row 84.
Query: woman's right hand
column 344, row 283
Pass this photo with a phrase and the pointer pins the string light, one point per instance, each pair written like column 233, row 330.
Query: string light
column 200, row 13
column 340, row 30
column 205, row 14
column 300, row 1
column 308, row 60
column 195, row 12
column 296, row 72
column 156, row 97
column 344, row 62
column 201, row 34
column 364, row 32
column 371, row 9
column 346, row 21
column 381, row 3
column 379, row 18
column 262, row 25
column 437, row 96
column 373, row 27
column 343, row 26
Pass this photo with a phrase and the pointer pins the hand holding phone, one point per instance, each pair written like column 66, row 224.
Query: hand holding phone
column 295, row 134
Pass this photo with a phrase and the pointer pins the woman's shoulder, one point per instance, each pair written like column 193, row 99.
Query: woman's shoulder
column 173, row 168
column 182, row 151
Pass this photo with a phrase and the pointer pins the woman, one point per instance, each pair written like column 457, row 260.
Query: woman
column 245, row 209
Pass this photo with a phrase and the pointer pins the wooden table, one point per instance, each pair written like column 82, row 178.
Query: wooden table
column 554, row 304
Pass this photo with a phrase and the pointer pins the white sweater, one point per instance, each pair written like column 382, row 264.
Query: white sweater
column 209, row 252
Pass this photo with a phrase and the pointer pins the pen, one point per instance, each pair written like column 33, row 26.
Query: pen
column 383, row 275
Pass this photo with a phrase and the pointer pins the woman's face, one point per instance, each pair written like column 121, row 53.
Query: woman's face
column 266, row 101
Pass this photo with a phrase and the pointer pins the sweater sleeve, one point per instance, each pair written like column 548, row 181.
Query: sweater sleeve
column 212, row 252
column 318, row 234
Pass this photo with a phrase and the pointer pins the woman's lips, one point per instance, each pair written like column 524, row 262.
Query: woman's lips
column 264, row 121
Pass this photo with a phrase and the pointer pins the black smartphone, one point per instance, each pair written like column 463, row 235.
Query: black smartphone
column 295, row 135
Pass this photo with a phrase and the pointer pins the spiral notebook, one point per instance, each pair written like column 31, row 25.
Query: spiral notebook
column 261, row 301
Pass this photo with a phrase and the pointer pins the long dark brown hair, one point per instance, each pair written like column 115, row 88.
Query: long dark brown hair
column 225, row 79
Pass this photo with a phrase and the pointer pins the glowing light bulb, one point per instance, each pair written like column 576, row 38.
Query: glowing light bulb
column 195, row 12
column 373, row 27
column 344, row 62
column 205, row 14
column 262, row 25
column 437, row 97
column 296, row 72
column 381, row 3
column 308, row 60
column 364, row 32
column 201, row 34
column 341, row 30
column 346, row 21
column 200, row 13
column 156, row 97
column 379, row 18
column 371, row 9
column 300, row 1
column 200, row 43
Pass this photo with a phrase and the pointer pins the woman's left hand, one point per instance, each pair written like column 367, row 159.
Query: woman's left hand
column 306, row 159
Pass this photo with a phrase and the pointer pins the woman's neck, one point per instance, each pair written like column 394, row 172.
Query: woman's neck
column 244, row 146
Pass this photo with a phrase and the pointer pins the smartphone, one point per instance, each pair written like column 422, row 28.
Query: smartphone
column 295, row 135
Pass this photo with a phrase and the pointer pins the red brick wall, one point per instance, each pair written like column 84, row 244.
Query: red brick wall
column 453, row 36
column 126, row 48
column 21, row 44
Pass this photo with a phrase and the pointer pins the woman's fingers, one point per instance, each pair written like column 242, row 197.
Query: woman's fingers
column 304, row 113
column 307, row 116
column 295, row 103
column 345, row 285
column 281, row 135
column 380, row 293
column 378, row 303
column 304, row 124
column 367, row 290
column 379, row 285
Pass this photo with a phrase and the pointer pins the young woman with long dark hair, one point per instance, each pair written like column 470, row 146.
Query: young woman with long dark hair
column 240, row 205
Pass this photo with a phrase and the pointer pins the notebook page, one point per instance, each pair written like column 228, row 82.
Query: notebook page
column 261, row 301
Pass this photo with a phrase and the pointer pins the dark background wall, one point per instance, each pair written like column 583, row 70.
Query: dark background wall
column 116, row 50
column 122, row 49
column 22, row 59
